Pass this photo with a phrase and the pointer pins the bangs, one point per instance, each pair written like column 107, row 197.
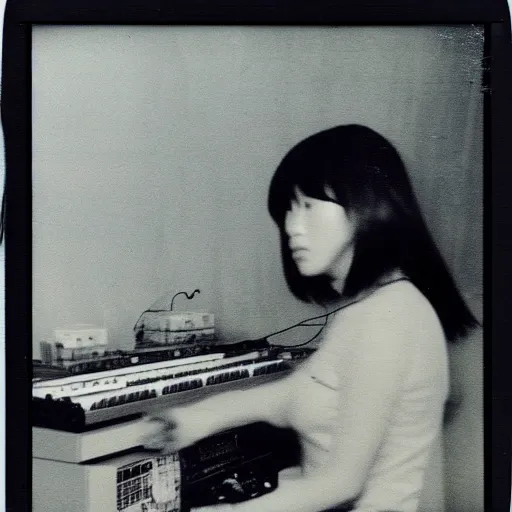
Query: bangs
column 291, row 177
column 320, row 167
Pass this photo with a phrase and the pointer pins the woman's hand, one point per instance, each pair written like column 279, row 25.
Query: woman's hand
column 173, row 429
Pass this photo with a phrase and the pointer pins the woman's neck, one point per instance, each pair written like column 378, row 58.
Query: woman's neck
column 340, row 272
column 338, row 284
column 393, row 275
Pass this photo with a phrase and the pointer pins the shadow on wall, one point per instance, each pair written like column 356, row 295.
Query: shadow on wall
column 463, row 431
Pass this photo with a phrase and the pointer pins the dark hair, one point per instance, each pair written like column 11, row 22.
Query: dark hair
column 368, row 178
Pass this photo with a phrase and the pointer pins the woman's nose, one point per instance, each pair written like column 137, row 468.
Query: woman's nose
column 292, row 222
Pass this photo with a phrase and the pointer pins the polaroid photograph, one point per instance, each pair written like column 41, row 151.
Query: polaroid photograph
column 256, row 272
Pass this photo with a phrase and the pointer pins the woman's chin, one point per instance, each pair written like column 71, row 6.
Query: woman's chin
column 305, row 271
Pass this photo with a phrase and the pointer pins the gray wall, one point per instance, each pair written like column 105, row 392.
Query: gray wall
column 153, row 148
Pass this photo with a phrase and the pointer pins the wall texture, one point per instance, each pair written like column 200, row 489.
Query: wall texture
column 153, row 148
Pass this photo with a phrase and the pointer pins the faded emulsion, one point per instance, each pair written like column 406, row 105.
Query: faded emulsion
column 153, row 151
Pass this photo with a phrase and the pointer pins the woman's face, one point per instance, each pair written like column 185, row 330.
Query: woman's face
column 321, row 237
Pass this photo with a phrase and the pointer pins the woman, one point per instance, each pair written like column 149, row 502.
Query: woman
column 368, row 404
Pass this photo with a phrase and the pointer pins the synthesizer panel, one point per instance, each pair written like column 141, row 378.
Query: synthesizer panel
column 87, row 427
column 78, row 402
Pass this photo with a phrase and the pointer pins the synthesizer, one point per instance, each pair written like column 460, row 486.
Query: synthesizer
column 236, row 465
column 77, row 402
column 231, row 466
column 109, row 360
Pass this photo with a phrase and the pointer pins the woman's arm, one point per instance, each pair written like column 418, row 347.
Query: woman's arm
column 369, row 387
column 375, row 350
column 175, row 428
column 266, row 402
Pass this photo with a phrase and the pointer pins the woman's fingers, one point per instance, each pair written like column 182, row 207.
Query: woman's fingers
column 157, row 441
column 163, row 419
column 169, row 430
column 159, row 431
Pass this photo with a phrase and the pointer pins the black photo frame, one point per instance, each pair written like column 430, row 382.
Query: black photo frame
column 16, row 118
